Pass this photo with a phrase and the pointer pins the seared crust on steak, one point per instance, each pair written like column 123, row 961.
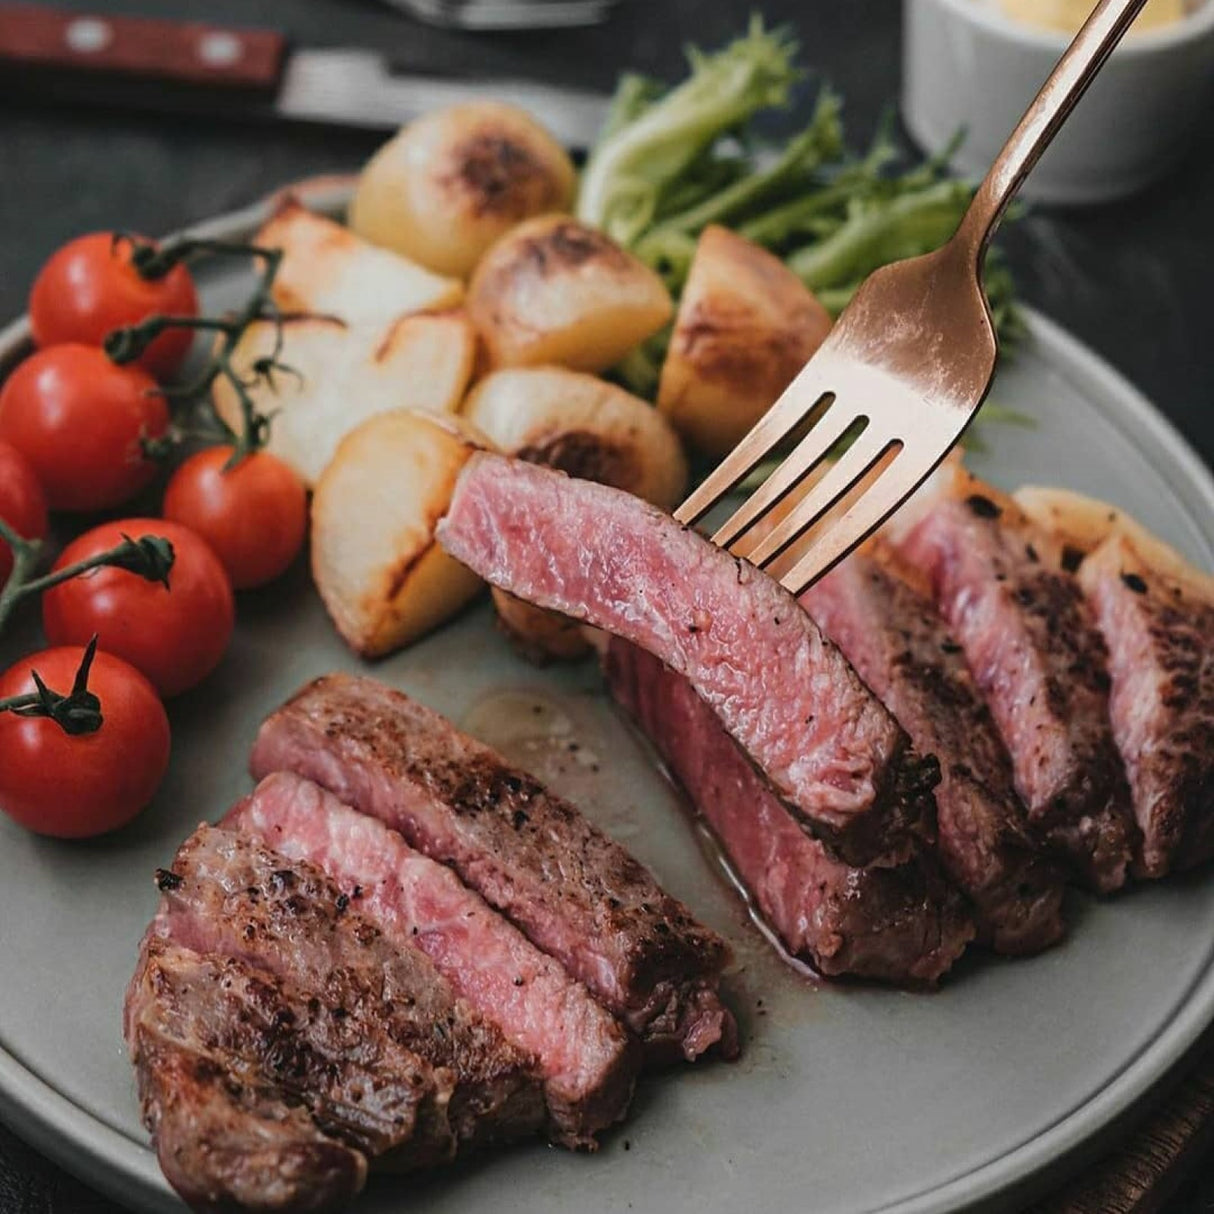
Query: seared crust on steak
column 589, row 1061
column 269, row 1035
column 901, row 648
column 1041, row 665
column 785, row 693
column 229, row 895
column 1160, row 635
column 905, row 924
column 578, row 895
column 226, row 1145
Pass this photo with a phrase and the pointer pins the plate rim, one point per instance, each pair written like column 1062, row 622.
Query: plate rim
column 89, row 1148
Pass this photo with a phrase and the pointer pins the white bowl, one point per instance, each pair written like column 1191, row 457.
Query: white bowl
column 966, row 65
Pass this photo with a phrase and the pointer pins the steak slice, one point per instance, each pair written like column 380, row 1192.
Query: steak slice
column 226, row 1145
column 1160, row 635
column 589, row 1061
column 574, row 893
column 901, row 648
column 786, row 695
column 904, row 924
column 270, row 1035
column 1041, row 666
column 229, row 895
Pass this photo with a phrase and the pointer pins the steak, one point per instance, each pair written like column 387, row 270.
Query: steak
column 1041, row 666
column 1160, row 635
column 903, row 924
column 589, row 1061
column 227, row 1145
column 785, row 694
column 232, row 896
column 576, row 894
column 901, row 648
column 364, row 1089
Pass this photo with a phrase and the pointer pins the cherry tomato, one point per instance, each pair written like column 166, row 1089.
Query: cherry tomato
column 254, row 515
column 22, row 504
column 74, row 786
column 78, row 419
column 175, row 636
column 89, row 288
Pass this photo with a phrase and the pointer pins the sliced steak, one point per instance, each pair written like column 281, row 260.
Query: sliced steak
column 1041, row 665
column 229, row 895
column 786, row 694
column 227, row 1145
column 575, row 893
column 901, row 648
column 904, row 924
column 270, row 1035
column 1160, row 635
column 588, row 1060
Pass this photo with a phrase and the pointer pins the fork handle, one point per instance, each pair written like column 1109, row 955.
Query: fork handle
column 1069, row 80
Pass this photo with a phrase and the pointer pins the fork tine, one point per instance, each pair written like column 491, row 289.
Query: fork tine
column 849, row 468
column 888, row 491
column 798, row 401
column 805, row 457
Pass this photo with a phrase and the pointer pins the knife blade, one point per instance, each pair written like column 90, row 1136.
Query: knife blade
column 228, row 72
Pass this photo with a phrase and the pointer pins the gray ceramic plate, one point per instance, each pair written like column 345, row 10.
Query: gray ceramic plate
column 847, row 1098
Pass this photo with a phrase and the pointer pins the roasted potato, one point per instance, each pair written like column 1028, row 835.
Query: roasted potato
column 555, row 291
column 382, row 576
column 451, row 182
column 342, row 374
column 1085, row 523
column 746, row 326
column 582, row 425
column 327, row 269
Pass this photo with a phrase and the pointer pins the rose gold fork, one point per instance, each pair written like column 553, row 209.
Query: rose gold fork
column 910, row 360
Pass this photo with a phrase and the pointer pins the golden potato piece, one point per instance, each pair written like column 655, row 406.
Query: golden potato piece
column 327, row 269
column 746, row 326
column 540, row 635
column 382, row 576
column 1085, row 524
column 555, row 291
column 453, row 181
column 582, row 425
column 347, row 373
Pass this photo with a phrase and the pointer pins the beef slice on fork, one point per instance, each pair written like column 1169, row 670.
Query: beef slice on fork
column 786, row 694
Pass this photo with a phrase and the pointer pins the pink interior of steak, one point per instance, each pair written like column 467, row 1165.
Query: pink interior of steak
column 900, row 924
column 587, row 1058
column 904, row 652
column 1160, row 637
column 1041, row 667
column 575, row 893
column 785, row 694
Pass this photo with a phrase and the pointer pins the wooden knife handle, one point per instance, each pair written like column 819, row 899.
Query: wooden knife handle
column 57, row 43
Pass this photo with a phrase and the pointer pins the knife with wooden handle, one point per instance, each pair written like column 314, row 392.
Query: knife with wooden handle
column 177, row 66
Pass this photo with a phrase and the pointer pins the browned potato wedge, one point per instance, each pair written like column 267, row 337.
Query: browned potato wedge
column 327, row 269
column 382, row 576
column 453, row 181
column 541, row 636
column 582, row 425
column 347, row 373
column 1086, row 523
column 746, row 326
column 555, row 291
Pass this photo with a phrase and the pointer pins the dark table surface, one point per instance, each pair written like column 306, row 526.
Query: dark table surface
column 1132, row 279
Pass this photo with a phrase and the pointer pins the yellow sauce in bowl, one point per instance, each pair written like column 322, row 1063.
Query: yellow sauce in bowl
column 1069, row 15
